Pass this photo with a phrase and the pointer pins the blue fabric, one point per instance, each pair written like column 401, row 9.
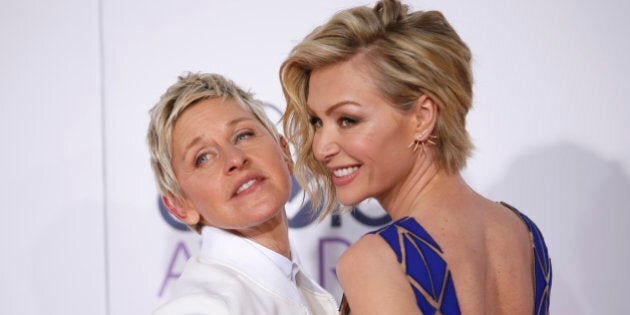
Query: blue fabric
column 421, row 258
column 542, row 265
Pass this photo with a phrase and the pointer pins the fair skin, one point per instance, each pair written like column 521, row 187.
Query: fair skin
column 364, row 141
column 233, row 174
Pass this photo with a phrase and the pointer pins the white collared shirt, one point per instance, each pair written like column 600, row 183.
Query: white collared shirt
column 234, row 276
column 260, row 263
column 289, row 268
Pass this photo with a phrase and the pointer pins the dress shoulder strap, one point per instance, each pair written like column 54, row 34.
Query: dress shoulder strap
column 541, row 264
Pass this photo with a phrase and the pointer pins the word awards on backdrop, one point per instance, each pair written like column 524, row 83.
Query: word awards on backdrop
column 303, row 218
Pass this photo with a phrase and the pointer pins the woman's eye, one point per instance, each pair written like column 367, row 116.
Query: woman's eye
column 347, row 121
column 202, row 159
column 244, row 135
column 315, row 122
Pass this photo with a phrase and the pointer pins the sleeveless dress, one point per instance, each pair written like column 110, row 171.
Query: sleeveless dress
column 430, row 278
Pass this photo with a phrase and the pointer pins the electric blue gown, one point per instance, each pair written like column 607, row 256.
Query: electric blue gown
column 430, row 278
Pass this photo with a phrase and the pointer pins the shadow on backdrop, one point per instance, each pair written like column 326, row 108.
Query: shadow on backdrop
column 580, row 202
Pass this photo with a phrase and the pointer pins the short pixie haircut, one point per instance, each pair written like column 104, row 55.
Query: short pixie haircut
column 407, row 54
column 189, row 90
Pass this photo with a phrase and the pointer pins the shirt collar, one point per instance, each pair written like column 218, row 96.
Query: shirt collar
column 288, row 267
column 263, row 265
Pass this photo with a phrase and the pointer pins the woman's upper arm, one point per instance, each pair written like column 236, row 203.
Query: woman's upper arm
column 373, row 280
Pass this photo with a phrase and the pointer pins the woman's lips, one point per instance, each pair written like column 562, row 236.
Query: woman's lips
column 344, row 175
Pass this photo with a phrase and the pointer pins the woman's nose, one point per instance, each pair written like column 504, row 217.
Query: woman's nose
column 325, row 145
column 235, row 159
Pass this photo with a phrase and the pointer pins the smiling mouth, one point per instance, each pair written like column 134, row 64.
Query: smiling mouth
column 346, row 171
column 245, row 186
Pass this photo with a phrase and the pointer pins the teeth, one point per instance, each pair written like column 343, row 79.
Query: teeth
column 343, row 172
column 245, row 186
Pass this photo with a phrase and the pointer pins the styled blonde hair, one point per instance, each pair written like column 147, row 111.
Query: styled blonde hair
column 407, row 54
column 190, row 89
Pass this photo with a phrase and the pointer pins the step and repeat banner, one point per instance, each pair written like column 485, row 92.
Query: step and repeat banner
column 87, row 233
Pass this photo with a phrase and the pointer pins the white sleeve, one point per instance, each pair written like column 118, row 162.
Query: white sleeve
column 197, row 304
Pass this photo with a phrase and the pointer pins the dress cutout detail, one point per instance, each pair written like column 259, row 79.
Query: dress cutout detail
column 422, row 260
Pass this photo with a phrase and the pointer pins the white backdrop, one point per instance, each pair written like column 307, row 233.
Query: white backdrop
column 83, row 232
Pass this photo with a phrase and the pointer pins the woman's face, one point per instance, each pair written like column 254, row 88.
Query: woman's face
column 359, row 136
column 231, row 171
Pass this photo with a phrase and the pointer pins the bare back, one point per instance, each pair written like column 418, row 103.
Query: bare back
column 486, row 246
column 490, row 257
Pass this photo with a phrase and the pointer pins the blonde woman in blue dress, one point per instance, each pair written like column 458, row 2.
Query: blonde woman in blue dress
column 377, row 100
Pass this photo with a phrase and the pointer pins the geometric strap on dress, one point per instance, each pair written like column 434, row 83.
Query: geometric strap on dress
column 541, row 265
column 423, row 262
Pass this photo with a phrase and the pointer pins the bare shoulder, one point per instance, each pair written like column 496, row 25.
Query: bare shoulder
column 373, row 280
column 365, row 248
column 505, row 226
column 367, row 259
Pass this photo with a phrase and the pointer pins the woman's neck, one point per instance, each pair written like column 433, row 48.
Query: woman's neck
column 420, row 190
column 273, row 234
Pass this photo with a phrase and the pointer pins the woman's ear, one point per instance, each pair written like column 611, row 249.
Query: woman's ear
column 425, row 114
column 182, row 212
column 286, row 153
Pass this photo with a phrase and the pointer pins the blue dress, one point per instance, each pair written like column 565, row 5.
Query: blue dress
column 429, row 276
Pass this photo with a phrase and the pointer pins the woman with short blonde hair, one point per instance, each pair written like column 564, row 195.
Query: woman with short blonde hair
column 377, row 100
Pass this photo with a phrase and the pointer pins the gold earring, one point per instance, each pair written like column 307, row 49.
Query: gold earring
column 417, row 142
